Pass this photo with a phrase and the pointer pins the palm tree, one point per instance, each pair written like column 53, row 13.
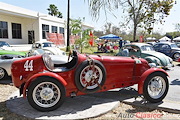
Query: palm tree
column 53, row 10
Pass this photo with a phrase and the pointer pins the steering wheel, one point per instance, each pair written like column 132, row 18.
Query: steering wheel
column 70, row 53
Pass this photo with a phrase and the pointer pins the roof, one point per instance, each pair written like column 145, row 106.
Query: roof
column 169, row 43
column 22, row 12
column 17, row 11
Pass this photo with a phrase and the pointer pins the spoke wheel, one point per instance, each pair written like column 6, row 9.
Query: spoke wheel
column 155, row 87
column 87, row 74
column 89, row 79
column 46, row 94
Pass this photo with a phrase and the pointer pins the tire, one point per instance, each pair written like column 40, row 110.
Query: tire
column 46, row 94
column 176, row 56
column 3, row 73
column 154, row 82
column 84, row 74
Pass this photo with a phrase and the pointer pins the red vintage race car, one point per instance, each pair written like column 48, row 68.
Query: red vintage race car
column 46, row 82
column 178, row 60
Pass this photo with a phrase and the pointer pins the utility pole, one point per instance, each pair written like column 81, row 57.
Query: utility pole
column 68, row 11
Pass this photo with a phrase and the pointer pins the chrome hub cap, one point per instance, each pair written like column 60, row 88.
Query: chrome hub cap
column 177, row 55
column 156, row 87
column 89, row 79
column 46, row 94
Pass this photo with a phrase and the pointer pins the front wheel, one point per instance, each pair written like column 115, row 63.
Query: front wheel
column 46, row 94
column 3, row 73
column 155, row 87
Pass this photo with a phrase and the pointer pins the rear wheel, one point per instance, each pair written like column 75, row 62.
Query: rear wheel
column 176, row 56
column 155, row 87
column 46, row 94
column 3, row 73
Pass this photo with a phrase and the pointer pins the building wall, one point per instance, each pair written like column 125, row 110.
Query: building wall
column 30, row 21
column 26, row 24
column 51, row 21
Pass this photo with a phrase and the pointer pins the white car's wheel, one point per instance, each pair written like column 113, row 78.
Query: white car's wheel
column 3, row 73
column 46, row 94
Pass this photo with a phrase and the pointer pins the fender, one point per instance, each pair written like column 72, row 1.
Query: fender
column 145, row 75
column 49, row 74
column 151, row 58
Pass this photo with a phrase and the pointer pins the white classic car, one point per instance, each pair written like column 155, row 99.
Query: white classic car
column 47, row 47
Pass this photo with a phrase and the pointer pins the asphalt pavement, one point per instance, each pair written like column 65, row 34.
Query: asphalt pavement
column 96, row 104
column 93, row 105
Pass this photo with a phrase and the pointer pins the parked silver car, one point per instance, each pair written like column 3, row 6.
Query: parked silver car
column 5, row 64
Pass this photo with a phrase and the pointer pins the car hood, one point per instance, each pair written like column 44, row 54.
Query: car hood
column 165, row 60
column 7, row 48
column 8, row 52
column 54, row 50
column 176, row 49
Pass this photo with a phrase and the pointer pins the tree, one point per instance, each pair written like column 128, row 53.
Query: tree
column 75, row 26
column 98, row 33
column 53, row 10
column 173, row 35
column 108, row 27
column 76, row 29
column 141, row 13
column 83, row 41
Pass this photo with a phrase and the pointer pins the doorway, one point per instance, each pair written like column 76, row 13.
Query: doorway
column 31, row 37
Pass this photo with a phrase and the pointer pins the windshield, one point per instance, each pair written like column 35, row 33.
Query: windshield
column 174, row 46
column 147, row 48
column 48, row 45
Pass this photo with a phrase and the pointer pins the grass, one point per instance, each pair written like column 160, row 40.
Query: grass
column 92, row 50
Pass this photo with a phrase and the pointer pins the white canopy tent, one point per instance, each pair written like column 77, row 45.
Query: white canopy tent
column 165, row 39
column 150, row 38
column 177, row 39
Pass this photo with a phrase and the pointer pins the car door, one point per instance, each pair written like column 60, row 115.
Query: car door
column 157, row 47
column 166, row 49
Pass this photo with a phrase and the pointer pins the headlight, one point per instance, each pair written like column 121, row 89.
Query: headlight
column 170, row 60
column 152, row 64
column 48, row 62
column 158, row 62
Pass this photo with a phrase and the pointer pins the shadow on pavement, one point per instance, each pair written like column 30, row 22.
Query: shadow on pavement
column 84, row 106
column 6, row 81
column 175, row 82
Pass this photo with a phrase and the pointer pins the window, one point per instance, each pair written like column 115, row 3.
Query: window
column 165, row 46
column 16, row 31
column 3, row 29
column 54, row 29
column 45, row 29
column 61, row 30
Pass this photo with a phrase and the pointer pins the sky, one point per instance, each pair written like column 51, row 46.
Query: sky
column 80, row 9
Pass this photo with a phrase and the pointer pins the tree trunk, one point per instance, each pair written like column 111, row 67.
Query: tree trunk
column 134, row 33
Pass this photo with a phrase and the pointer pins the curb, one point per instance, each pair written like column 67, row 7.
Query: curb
column 165, row 105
